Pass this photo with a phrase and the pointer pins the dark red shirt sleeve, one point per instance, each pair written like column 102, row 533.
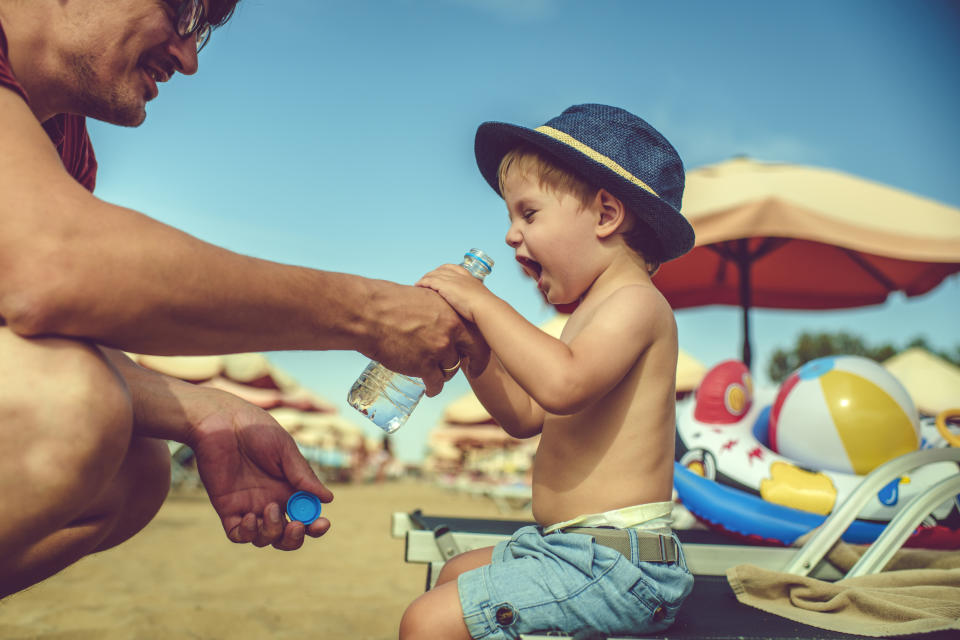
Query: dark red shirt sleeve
column 68, row 132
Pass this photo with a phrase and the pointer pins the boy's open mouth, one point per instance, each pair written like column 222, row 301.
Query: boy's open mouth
column 530, row 267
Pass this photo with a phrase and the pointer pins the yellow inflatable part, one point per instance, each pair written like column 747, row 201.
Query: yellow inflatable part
column 791, row 486
column 697, row 468
column 948, row 435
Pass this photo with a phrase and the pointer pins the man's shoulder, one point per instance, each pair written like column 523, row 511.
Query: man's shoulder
column 68, row 132
column 7, row 78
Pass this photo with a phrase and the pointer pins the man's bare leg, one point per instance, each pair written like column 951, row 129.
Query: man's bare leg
column 74, row 480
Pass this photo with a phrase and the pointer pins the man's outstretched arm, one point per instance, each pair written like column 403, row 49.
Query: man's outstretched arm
column 77, row 266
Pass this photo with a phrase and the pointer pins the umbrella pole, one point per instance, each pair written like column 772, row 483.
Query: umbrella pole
column 743, row 265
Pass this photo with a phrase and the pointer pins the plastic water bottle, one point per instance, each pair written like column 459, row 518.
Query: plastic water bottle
column 387, row 398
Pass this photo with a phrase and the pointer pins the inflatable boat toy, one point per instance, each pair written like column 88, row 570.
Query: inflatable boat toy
column 770, row 467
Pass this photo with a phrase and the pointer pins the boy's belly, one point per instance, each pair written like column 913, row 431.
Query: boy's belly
column 570, row 481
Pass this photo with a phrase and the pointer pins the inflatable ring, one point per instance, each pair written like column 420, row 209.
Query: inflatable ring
column 729, row 475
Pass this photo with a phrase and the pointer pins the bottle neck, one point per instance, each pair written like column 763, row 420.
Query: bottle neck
column 477, row 263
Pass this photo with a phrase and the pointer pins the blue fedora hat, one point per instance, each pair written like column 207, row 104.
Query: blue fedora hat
column 609, row 148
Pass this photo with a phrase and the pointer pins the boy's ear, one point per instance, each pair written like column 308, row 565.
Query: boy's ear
column 612, row 213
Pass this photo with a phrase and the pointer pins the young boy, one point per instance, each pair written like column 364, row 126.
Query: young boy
column 593, row 198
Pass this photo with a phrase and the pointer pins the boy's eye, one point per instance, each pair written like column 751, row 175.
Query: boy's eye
column 528, row 214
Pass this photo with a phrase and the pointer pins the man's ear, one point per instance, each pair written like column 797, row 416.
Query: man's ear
column 612, row 214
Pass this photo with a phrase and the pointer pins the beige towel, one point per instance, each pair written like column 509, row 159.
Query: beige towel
column 843, row 556
column 918, row 593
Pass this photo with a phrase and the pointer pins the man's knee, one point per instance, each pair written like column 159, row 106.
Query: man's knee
column 67, row 423
column 70, row 409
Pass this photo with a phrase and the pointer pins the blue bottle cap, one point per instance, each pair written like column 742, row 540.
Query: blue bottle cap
column 482, row 257
column 303, row 506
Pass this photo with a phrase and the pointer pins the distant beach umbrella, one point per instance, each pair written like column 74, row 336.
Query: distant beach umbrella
column 190, row 368
column 933, row 383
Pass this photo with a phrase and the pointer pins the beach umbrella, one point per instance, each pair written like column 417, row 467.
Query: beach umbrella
column 250, row 369
column 248, row 375
column 315, row 429
column 932, row 382
column 478, row 435
column 189, row 368
column 466, row 410
column 795, row 237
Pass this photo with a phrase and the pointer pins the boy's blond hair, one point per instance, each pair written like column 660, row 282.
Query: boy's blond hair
column 528, row 160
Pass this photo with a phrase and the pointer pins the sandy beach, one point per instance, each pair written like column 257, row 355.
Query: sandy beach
column 181, row 577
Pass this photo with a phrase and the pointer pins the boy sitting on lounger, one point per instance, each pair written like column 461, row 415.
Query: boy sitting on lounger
column 593, row 199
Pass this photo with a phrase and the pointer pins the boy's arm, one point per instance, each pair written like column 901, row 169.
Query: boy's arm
column 565, row 378
column 561, row 378
column 512, row 407
column 508, row 403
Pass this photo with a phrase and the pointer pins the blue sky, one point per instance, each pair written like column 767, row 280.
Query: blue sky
column 339, row 135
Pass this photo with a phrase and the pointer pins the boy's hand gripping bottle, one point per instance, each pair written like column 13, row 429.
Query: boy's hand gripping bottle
column 388, row 398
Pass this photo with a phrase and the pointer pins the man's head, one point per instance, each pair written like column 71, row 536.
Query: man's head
column 115, row 53
column 607, row 150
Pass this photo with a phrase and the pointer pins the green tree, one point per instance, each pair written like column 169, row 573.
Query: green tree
column 810, row 346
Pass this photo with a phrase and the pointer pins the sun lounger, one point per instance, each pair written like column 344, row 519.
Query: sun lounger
column 899, row 528
column 432, row 540
column 712, row 611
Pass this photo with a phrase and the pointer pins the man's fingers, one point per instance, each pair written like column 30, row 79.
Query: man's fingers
column 476, row 353
column 320, row 490
column 245, row 531
column 433, row 381
column 302, row 477
column 293, row 536
column 476, row 358
column 271, row 527
column 318, row 527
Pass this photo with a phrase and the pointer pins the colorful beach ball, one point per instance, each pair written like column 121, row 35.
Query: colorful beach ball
column 843, row 413
column 725, row 394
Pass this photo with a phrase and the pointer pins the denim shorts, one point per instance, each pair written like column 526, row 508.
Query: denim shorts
column 564, row 582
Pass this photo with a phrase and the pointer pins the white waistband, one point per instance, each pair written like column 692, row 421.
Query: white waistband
column 650, row 516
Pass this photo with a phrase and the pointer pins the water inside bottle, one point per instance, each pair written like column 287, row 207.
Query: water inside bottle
column 385, row 397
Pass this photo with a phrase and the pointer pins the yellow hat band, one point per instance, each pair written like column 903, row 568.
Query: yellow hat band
column 595, row 156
